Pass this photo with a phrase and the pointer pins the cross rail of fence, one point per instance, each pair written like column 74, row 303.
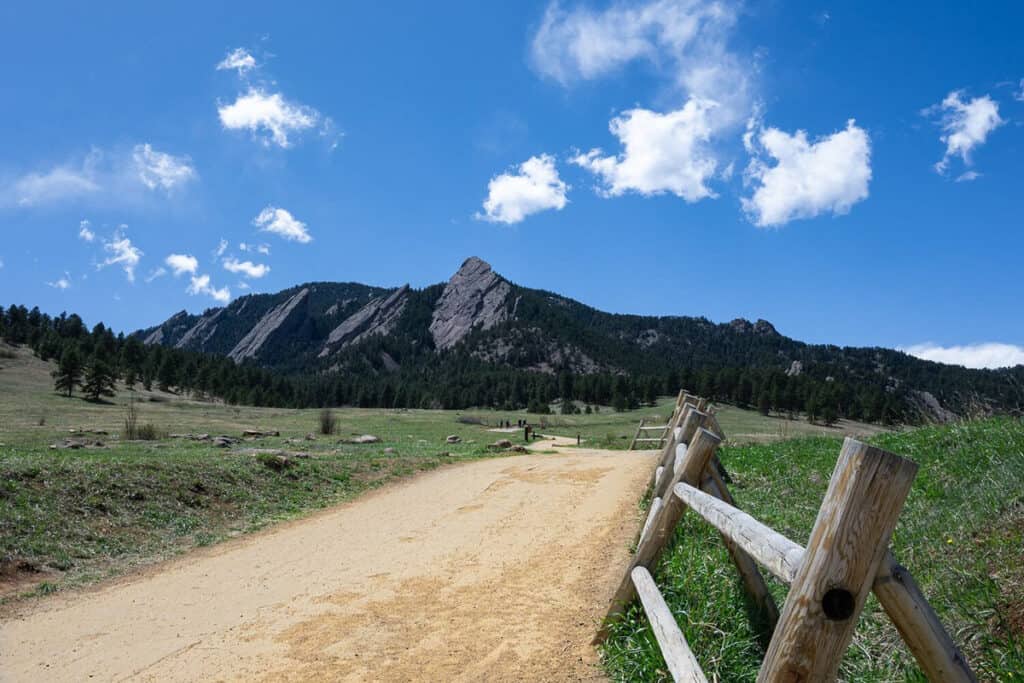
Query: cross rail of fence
column 846, row 557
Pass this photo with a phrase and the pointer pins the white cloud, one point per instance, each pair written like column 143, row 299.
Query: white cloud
column 828, row 175
column 181, row 264
column 58, row 184
column 159, row 272
column 966, row 125
column 258, row 248
column 158, row 169
column 122, row 252
column 967, row 176
column 117, row 177
column 258, row 110
column 685, row 40
column 238, row 59
column 247, row 268
column 61, row 283
column 1019, row 95
column 221, row 248
column 983, row 355
column 282, row 223
column 534, row 186
column 200, row 284
column 661, row 153
column 85, row 231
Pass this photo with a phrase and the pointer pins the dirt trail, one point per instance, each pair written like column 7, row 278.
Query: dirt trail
column 494, row 570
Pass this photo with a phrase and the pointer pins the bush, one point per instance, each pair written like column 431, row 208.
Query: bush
column 328, row 422
column 133, row 431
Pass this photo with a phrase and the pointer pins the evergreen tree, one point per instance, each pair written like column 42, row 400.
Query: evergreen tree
column 764, row 404
column 99, row 379
column 68, row 374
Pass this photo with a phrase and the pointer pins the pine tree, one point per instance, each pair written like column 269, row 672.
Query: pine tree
column 68, row 374
column 99, row 380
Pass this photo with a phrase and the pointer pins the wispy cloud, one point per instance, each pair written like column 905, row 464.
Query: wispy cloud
column 156, row 273
column 807, row 178
column 85, row 232
column 102, row 177
column 159, row 169
column 247, row 268
column 532, row 187
column 258, row 248
column 282, row 223
column 200, row 284
column 238, row 59
column 966, row 125
column 61, row 283
column 122, row 252
column 981, row 355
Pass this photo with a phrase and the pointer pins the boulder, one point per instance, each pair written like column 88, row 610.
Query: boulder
column 365, row 438
column 454, row 438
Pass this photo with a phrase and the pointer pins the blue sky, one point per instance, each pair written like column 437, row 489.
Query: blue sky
column 850, row 172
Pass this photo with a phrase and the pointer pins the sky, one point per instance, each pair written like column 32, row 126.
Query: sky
column 850, row 172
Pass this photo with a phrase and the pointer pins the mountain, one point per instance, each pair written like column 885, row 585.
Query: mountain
column 479, row 328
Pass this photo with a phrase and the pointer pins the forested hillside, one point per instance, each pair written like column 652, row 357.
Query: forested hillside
column 479, row 340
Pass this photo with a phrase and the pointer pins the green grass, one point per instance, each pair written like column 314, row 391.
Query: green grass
column 609, row 429
column 961, row 534
column 81, row 515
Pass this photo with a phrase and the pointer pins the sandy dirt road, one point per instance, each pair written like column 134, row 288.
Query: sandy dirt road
column 496, row 570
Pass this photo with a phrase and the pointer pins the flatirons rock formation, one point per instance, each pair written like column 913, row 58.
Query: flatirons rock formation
column 475, row 296
column 480, row 320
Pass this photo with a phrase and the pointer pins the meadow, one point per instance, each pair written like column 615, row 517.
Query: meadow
column 74, row 516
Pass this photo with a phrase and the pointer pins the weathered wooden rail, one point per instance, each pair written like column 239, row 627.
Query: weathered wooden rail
column 846, row 557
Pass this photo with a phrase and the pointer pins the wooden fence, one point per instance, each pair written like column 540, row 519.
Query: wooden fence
column 846, row 557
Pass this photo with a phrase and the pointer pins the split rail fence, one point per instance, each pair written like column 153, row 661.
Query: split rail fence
column 846, row 557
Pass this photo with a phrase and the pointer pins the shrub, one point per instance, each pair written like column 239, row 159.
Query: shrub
column 133, row 431
column 328, row 422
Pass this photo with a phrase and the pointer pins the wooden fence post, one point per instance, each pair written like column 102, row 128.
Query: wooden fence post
column 848, row 541
column 694, row 421
column 664, row 523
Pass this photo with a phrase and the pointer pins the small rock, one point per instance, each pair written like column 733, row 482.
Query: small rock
column 365, row 438
column 310, row 437
column 454, row 438
column 389, row 450
column 260, row 432
column 503, row 443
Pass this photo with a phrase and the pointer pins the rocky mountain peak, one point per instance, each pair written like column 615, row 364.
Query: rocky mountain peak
column 475, row 296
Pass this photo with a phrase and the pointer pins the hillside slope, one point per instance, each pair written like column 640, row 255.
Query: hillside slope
column 480, row 324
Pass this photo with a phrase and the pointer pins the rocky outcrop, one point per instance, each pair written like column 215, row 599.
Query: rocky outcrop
column 795, row 368
column 929, row 408
column 744, row 326
column 379, row 316
column 200, row 333
column 474, row 297
column 167, row 333
column 252, row 342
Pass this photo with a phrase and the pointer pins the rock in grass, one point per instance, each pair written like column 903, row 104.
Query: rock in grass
column 454, row 438
column 365, row 438
column 258, row 433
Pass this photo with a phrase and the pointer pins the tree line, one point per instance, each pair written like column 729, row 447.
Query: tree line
column 93, row 361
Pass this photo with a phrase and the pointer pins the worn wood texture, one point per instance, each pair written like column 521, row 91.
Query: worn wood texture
column 847, row 543
column 753, row 582
column 674, row 649
column 936, row 653
column 663, row 525
column 771, row 549
column 694, row 421
column 651, row 514
column 637, row 435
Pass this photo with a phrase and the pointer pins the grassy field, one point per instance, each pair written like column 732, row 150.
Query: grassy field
column 74, row 516
column 961, row 535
